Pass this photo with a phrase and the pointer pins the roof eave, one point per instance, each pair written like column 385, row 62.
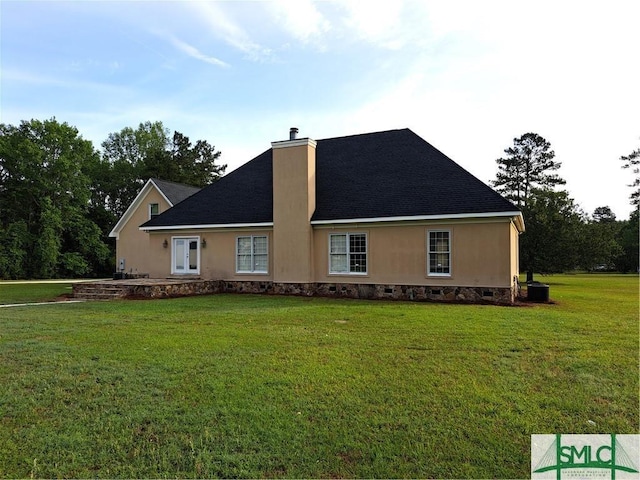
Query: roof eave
column 514, row 215
column 206, row 226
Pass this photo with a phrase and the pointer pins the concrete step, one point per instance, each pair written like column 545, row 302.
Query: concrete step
column 98, row 296
column 99, row 291
column 104, row 289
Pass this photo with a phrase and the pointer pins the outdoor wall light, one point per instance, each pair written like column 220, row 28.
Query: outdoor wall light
column 165, row 244
column 204, row 243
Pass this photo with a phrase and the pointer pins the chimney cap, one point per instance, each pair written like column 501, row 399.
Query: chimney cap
column 293, row 133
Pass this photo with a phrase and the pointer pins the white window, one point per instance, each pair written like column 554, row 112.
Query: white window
column 154, row 210
column 439, row 253
column 252, row 254
column 348, row 253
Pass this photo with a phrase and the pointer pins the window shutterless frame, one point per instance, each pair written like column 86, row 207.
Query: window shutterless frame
column 439, row 253
column 154, row 210
column 252, row 254
column 348, row 253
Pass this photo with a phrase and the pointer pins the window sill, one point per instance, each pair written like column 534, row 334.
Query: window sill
column 347, row 274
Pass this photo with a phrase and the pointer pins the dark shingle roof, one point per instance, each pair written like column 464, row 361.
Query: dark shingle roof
column 242, row 196
column 175, row 192
column 385, row 174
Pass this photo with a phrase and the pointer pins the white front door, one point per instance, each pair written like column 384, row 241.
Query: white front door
column 186, row 255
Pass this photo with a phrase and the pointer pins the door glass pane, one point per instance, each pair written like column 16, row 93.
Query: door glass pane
column 193, row 255
column 179, row 253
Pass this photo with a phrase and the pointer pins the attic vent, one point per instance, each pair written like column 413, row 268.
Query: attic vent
column 293, row 133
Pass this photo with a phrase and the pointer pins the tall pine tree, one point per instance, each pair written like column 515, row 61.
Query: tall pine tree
column 632, row 161
column 526, row 177
column 527, row 166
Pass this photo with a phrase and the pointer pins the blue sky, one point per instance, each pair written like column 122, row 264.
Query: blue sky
column 467, row 76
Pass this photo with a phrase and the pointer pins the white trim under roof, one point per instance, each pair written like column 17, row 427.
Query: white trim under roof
column 517, row 216
column 199, row 227
column 134, row 206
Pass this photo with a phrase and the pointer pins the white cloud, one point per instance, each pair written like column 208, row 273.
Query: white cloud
column 379, row 22
column 23, row 77
column 223, row 26
column 300, row 18
column 195, row 53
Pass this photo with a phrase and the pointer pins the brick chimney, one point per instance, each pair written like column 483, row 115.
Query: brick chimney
column 294, row 201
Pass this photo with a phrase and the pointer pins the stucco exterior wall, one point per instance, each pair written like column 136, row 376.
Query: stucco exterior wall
column 217, row 258
column 481, row 254
column 133, row 244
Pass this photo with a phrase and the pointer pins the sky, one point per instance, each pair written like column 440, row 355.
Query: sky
column 468, row 76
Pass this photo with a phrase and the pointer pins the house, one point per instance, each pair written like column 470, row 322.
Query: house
column 132, row 244
column 368, row 216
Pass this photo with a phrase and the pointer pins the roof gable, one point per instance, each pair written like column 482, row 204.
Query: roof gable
column 172, row 192
column 390, row 174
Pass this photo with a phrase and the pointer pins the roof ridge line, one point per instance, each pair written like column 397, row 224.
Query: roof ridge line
column 156, row 179
column 368, row 133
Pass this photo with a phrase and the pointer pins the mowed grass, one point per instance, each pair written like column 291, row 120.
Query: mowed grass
column 260, row 386
column 21, row 292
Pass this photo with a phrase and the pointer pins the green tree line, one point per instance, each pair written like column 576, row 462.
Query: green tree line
column 559, row 235
column 60, row 197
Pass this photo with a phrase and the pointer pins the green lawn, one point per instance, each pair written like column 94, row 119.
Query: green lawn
column 259, row 386
column 19, row 292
